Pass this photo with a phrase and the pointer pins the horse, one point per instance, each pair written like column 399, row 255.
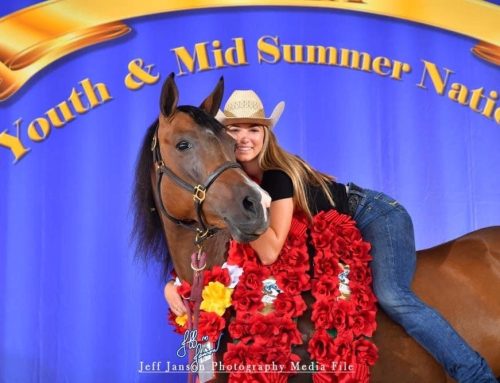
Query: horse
column 458, row 277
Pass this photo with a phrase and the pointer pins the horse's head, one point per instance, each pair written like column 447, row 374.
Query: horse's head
column 197, row 182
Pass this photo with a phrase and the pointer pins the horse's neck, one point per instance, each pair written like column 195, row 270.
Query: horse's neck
column 181, row 246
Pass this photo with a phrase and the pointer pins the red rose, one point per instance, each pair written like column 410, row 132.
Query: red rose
column 349, row 231
column 289, row 305
column 325, row 264
column 360, row 273
column 363, row 323
column 278, row 356
column 239, row 330
column 274, row 377
column 297, row 257
column 242, row 355
column 320, row 223
column 259, row 328
column 341, row 312
column 210, row 325
column 362, row 296
column 293, row 282
column 247, row 300
column 361, row 251
column 365, row 352
column 321, row 347
column 321, row 377
column 285, row 333
column 342, row 346
column 253, row 276
column 216, row 274
column 325, row 288
column 184, row 289
column 239, row 253
column 241, row 377
column 295, row 242
column 322, row 314
column 322, row 239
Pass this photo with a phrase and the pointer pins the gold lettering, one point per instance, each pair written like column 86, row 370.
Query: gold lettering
column 400, row 67
column 239, row 50
column 219, row 60
column 65, row 112
column 458, row 93
column 14, row 142
column 490, row 104
column 76, row 102
column 268, row 48
column 379, row 63
column 200, row 56
column 437, row 80
column 39, row 129
column 352, row 59
column 90, row 92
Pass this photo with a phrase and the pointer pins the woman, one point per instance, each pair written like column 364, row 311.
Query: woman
column 292, row 184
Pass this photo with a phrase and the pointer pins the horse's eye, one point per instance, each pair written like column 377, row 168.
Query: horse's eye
column 183, row 145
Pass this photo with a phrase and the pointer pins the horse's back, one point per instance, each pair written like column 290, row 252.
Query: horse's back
column 461, row 279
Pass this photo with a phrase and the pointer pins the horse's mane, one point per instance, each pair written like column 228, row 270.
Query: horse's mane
column 148, row 229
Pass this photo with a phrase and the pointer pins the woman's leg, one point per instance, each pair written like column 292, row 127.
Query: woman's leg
column 388, row 227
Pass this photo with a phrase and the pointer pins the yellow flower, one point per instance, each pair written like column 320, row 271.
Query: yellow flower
column 216, row 298
column 181, row 320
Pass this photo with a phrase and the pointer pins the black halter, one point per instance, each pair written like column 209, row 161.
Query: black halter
column 198, row 191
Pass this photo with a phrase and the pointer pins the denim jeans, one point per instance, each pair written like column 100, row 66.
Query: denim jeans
column 388, row 227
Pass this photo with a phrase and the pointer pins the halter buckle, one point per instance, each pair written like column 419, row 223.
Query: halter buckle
column 199, row 193
column 200, row 237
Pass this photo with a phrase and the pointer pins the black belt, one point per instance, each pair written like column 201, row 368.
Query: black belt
column 353, row 198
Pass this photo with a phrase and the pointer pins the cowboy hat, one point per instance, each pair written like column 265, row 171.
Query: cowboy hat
column 245, row 107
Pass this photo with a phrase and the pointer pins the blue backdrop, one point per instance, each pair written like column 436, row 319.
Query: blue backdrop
column 74, row 304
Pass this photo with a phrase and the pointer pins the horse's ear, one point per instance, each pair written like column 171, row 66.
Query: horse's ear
column 212, row 103
column 169, row 96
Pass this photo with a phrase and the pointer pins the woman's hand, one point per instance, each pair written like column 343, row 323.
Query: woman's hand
column 174, row 299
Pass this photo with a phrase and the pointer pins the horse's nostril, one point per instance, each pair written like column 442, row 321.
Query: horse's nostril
column 249, row 204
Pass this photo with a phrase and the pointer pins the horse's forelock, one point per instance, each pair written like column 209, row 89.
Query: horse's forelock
column 202, row 118
column 147, row 231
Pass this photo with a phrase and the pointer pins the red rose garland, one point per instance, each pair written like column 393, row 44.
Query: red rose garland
column 264, row 328
column 352, row 318
column 343, row 320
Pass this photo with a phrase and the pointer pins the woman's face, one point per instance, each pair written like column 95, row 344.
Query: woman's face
column 249, row 140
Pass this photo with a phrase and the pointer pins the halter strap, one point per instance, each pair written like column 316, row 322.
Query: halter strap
column 198, row 192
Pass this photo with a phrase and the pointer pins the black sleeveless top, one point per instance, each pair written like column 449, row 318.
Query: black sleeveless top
column 279, row 185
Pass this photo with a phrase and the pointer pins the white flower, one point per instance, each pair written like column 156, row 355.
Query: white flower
column 235, row 273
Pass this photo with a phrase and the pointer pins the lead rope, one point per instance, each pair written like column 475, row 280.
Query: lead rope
column 198, row 264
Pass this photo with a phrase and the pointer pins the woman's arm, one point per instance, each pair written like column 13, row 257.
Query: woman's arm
column 269, row 245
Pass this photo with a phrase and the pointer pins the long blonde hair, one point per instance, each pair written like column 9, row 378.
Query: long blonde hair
column 273, row 156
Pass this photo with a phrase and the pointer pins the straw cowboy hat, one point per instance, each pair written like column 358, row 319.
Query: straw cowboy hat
column 244, row 106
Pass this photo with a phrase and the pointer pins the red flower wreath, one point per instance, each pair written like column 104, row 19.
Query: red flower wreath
column 343, row 312
column 264, row 329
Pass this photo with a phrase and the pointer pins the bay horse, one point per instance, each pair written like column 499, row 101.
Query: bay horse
column 460, row 278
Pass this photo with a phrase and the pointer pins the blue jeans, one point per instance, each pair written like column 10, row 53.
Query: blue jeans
column 388, row 227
